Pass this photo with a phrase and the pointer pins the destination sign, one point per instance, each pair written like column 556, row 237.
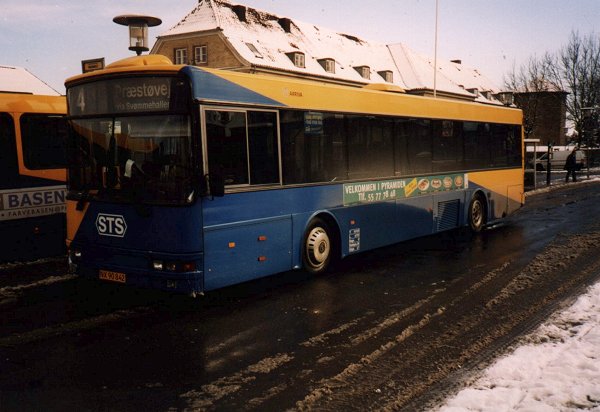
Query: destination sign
column 31, row 202
column 384, row 190
column 125, row 95
column 151, row 94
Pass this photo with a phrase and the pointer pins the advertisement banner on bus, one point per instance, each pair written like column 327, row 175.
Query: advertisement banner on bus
column 31, row 202
column 384, row 190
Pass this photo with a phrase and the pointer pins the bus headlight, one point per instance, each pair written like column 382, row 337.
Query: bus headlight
column 74, row 257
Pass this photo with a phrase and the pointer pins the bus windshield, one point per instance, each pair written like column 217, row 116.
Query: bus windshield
column 140, row 159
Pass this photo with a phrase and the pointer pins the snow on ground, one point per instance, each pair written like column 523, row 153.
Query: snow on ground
column 557, row 368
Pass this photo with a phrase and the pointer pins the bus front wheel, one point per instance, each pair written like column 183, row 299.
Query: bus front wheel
column 318, row 247
column 477, row 214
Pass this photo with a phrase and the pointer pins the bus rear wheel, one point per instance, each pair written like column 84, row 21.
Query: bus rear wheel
column 477, row 214
column 318, row 247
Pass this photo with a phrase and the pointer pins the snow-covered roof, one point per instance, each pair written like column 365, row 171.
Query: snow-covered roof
column 267, row 41
column 19, row 80
column 417, row 72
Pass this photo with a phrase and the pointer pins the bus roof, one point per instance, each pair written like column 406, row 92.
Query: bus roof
column 229, row 87
column 311, row 95
column 30, row 103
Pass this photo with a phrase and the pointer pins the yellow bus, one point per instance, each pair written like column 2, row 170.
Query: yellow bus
column 190, row 179
column 33, row 132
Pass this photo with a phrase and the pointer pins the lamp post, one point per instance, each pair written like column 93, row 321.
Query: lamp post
column 435, row 50
column 138, row 30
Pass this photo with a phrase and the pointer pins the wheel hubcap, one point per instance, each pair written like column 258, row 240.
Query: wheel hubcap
column 477, row 214
column 317, row 247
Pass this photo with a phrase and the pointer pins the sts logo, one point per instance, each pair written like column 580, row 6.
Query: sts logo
column 111, row 225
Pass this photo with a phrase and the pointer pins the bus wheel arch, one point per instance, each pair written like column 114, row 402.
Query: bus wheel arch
column 477, row 212
column 320, row 244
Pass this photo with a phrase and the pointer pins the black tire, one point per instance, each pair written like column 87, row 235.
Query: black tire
column 318, row 247
column 477, row 214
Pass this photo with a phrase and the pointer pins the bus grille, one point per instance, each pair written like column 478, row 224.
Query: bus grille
column 448, row 215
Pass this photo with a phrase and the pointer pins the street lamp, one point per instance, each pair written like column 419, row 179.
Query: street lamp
column 138, row 30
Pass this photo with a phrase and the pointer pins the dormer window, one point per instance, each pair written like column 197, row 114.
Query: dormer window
column 387, row 75
column 328, row 65
column 286, row 24
column 364, row 71
column 297, row 58
column 254, row 50
column 474, row 91
column 181, row 56
column 240, row 12
column 200, row 54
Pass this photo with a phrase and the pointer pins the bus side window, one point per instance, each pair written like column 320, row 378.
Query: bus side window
column 8, row 152
column 419, row 146
column 44, row 139
column 242, row 147
column 227, row 146
column 264, row 151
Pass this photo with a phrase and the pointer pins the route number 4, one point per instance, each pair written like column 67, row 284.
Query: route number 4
column 80, row 102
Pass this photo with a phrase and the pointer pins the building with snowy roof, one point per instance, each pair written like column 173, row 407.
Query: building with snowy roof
column 19, row 80
column 220, row 34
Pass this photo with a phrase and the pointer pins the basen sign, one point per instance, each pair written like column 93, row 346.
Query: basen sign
column 31, row 202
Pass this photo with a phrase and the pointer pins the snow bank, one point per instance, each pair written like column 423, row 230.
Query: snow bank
column 557, row 368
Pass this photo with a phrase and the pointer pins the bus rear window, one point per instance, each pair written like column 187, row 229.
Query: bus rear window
column 43, row 137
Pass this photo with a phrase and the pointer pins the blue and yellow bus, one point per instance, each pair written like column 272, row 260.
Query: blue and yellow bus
column 190, row 179
column 33, row 131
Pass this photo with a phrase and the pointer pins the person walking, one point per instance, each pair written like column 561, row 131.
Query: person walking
column 571, row 166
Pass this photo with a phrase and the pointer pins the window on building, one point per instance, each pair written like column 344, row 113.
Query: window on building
column 297, row 58
column 201, row 54
column 364, row 71
column 474, row 91
column 180, row 56
column 387, row 75
column 328, row 65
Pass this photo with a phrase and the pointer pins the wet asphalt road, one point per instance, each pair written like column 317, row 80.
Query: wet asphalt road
column 397, row 328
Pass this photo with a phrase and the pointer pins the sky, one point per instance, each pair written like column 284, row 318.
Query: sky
column 50, row 38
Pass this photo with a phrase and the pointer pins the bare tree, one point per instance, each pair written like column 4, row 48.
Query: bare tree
column 576, row 69
column 527, row 83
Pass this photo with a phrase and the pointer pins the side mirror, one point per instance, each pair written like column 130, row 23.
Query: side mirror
column 216, row 185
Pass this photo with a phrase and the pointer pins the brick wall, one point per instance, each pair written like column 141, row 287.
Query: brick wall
column 219, row 55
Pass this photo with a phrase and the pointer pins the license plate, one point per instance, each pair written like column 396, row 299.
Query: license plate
column 113, row 276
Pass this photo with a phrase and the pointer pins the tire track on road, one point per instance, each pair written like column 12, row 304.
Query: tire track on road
column 319, row 352
column 380, row 382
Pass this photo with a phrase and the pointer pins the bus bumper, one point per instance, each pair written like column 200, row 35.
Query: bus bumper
column 178, row 273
